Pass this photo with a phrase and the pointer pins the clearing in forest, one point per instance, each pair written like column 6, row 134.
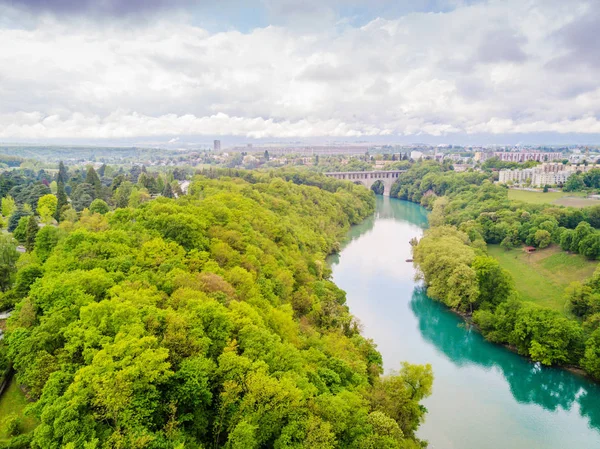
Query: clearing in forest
column 13, row 402
column 573, row 199
column 543, row 275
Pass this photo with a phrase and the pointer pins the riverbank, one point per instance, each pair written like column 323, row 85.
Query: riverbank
column 483, row 394
column 459, row 276
column 468, row 319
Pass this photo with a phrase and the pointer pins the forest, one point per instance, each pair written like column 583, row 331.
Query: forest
column 469, row 212
column 197, row 320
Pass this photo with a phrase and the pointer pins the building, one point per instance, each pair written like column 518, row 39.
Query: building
column 321, row 150
column 541, row 179
column 462, row 167
column 520, row 156
column 416, row 155
column 515, row 176
column 545, row 174
column 524, row 156
column 553, row 167
column 217, row 145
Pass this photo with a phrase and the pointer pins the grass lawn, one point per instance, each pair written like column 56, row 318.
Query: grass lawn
column 573, row 199
column 542, row 276
column 13, row 401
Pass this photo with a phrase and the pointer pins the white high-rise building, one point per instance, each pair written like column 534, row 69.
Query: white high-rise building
column 539, row 176
column 516, row 176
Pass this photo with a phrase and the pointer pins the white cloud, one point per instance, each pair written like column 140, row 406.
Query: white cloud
column 485, row 68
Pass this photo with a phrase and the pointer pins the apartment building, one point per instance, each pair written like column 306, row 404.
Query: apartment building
column 516, row 176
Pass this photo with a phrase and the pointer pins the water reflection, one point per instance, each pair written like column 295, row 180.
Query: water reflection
column 483, row 395
column 549, row 388
column 402, row 210
column 386, row 209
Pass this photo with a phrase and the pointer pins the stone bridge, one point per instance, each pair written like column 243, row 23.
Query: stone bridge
column 368, row 178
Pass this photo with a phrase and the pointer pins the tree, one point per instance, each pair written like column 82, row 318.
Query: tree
column 32, row 231
column 590, row 246
column 63, row 175
column 122, row 194
column 29, row 194
column 582, row 230
column 62, row 199
column 20, row 231
column 172, row 325
column 8, row 261
column 135, row 173
column 92, row 179
column 99, row 206
column 13, row 425
column 494, row 283
column 167, row 191
column 8, row 206
column 378, row 187
column 138, row 196
column 463, row 291
column 581, row 300
column 47, row 207
column 266, row 155
column 542, row 238
column 176, row 189
column 593, row 216
column 27, row 275
column 591, row 358
column 148, row 182
column 397, row 396
column 82, row 196
column 69, row 214
column 545, row 190
column 566, row 239
column 574, row 183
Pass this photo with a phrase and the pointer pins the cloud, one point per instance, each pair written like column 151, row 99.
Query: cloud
column 103, row 7
column 500, row 46
column 578, row 39
column 121, row 124
column 474, row 68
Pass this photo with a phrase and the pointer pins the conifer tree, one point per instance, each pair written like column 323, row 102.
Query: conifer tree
column 168, row 191
column 31, row 234
column 92, row 178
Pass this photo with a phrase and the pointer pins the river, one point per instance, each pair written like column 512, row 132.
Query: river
column 484, row 396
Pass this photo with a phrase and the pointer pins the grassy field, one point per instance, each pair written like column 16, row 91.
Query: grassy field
column 542, row 276
column 13, row 401
column 573, row 199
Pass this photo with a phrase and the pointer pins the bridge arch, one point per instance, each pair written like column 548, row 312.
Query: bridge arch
column 368, row 178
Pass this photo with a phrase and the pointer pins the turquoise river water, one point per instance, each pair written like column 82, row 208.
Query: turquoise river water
column 484, row 396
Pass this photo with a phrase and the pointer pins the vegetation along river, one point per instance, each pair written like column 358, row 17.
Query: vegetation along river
column 484, row 396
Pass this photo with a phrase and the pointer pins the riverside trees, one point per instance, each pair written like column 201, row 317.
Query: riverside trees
column 207, row 321
column 465, row 279
column 468, row 212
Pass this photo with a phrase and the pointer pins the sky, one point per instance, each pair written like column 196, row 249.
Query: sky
column 442, row 71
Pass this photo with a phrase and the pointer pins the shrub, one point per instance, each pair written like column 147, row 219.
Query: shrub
column 14, row 425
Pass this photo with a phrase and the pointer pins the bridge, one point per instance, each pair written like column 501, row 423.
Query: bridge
column 368, row 178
